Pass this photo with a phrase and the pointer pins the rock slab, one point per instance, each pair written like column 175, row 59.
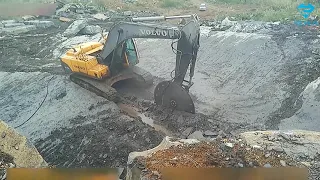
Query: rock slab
column 18, row 29
column 24, row 153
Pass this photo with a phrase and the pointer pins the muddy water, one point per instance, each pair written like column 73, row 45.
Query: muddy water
column 134, row 112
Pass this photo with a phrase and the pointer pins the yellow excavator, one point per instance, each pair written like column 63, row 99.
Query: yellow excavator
column 97, row 66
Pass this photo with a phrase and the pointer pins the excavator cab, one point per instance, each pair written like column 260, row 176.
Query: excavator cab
column 123, row 57
column 131, row 53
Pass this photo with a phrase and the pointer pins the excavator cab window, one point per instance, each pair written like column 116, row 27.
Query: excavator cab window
column 131, row 52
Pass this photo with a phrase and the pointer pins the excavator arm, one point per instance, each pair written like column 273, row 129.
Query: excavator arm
column 172, row 93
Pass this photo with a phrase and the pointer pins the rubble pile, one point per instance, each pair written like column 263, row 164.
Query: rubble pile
column 196, row 126
column 225, row 153
column 75, row 10
column 266, row 149
column 81, row 10
column 77, row 15
column 248, row 26
column 216, row 154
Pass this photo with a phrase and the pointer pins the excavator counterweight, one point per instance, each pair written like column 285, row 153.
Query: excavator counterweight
column 96, row 66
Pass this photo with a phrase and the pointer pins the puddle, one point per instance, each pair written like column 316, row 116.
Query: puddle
column 157, row 127
column 133, row 112
column 130, row 110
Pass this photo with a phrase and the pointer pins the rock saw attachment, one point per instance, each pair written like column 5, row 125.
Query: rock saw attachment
column 172, row 95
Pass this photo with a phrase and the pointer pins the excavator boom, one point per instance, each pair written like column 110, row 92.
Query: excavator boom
column 174, row 93
column 187, row 37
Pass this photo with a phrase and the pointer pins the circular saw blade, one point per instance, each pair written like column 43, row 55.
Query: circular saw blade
column 172, row 95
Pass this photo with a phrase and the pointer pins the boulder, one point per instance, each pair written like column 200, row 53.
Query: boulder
column 227, row 23
column 100, row 16
column 90, row 30
column 196, row 135
column 187, row 132
column 75, row 27
column 80, row 11
column 127, row 13
column 64, row 19
column 28, row 17
column 66, row 8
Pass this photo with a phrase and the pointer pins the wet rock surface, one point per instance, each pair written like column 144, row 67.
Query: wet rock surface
column 234, row 83
column 91, row 130
column 310, row 101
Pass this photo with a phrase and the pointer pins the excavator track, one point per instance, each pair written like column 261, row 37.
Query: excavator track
column 104, row 88
column 100, row 88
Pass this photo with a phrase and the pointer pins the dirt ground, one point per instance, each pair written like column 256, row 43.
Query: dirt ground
column 206, row 155
column 107, row 142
